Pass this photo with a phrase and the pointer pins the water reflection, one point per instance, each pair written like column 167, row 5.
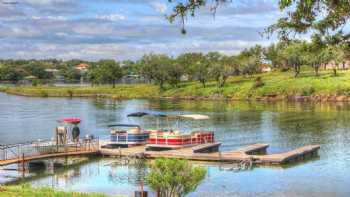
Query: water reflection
column 103, row 175
column 283, row 125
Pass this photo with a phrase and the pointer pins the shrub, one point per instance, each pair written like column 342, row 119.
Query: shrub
column 343, row 92
column 174, row 177
column 70, row 93
column 43, row 93
column 308, row 91
column 258, row 83
column 35, row 82
column 284, row 69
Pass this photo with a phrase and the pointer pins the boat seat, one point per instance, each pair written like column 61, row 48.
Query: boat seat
column 134, row 130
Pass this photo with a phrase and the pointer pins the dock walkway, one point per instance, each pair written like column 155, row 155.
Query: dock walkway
column 45, row 156
column 30, row 151
column 255, row 153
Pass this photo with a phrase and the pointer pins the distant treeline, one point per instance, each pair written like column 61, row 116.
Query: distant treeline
column 162, row 69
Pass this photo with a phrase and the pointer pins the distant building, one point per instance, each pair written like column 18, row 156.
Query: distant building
column 132, row 79
column 185, row 77
column 82, row 67
column 51, row 70
column 343, row 65
column 264, row 68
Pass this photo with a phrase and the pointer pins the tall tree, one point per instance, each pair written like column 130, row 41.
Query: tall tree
column 293, row 54
column 323, row 17
column 222, row 67
column 108, row 72
column 250, row 59
column 273, row 54
column 155, row 67
column 37, row 69
column 334, row 55
column 129, row 67
column 196, row 66
column 314, row 54
column 10, row 73
column 176, row 71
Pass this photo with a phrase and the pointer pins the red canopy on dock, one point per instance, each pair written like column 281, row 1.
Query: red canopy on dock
column 71, row 120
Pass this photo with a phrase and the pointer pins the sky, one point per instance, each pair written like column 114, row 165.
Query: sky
column 126, row 29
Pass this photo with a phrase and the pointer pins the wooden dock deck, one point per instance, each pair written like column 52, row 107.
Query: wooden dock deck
column 255, row 153
column 46, row 156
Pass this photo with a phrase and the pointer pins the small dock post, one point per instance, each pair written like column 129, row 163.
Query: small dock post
column 23, row 167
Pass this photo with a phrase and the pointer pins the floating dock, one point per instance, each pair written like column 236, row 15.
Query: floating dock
column 255, row 153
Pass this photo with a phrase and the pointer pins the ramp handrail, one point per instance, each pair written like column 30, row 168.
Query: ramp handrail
column 35, row 148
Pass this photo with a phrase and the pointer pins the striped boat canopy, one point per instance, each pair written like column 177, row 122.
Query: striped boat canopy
column 124, row 125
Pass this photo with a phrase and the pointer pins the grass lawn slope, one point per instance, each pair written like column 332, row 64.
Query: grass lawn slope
column 271, row 86
column 28, row 191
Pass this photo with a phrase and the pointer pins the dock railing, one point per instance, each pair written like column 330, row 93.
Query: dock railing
column 47, row 147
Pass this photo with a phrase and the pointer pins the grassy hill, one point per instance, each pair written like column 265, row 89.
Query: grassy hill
column 272, row 86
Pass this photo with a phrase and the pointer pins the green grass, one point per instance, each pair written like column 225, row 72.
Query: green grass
column 282, row 84
column 28, row 191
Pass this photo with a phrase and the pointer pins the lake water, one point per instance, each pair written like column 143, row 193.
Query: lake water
column 282, row 125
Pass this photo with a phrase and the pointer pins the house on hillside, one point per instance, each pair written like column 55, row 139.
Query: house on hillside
column 342, row 66
column 82, row 67
column 264, row 68
column 132, row 79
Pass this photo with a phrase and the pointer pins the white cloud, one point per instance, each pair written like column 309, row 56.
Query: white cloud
column 45, row 2
column 79, row 29
column 122, row 51
column 54, row 18
column 111, row 17
column 159, row 7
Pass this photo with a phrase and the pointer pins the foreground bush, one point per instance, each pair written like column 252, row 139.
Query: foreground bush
column 174, row 177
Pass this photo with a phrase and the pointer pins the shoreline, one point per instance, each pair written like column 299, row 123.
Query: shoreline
column 275, row 86
column 269, row 98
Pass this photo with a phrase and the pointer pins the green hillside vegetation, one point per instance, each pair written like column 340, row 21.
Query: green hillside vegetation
column 273, row 84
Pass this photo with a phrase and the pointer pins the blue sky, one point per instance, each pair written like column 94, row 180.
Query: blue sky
column 122, row 29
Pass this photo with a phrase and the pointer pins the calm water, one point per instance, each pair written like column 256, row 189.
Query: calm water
column 283, row 125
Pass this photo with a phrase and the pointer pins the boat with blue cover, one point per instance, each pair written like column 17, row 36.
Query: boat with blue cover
column 125, row 135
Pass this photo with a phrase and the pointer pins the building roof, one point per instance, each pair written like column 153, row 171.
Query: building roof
column 82, row 66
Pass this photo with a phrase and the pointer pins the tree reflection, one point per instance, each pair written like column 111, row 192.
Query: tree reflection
column 132, row 172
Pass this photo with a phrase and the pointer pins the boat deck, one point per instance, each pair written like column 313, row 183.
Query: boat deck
column 254, row 153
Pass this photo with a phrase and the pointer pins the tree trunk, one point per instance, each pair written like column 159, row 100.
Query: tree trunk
column 113, row 83
column 316, row 67
column 296, row 70
column 203, row 83
column 218, row 81
column 335, row 72
column 223, row 82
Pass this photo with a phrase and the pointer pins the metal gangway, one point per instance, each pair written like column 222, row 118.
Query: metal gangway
column 28, row 151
